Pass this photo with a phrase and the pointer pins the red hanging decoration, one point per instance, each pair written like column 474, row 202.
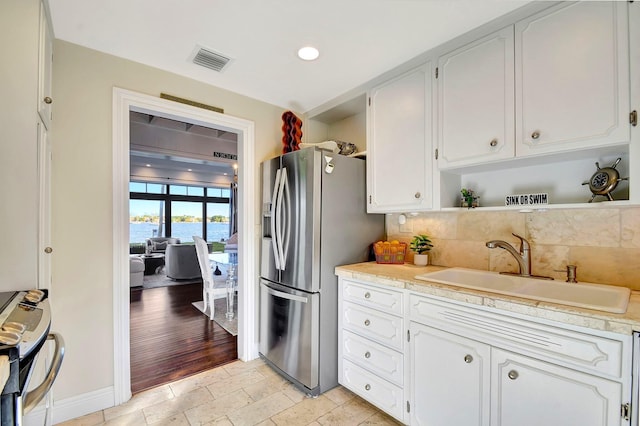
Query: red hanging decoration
column 291, row 132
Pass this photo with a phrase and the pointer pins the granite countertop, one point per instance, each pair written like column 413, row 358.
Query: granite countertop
column 403, row 276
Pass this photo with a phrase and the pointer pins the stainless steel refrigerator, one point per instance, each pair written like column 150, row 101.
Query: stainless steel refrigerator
column 313, row 219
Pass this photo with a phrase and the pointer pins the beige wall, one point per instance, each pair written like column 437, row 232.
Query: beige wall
column 18, row 142
column 351, row 129
column 82, row 289
column 603, row 242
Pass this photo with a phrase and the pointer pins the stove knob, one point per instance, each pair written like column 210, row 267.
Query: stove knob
column 9, row 338
column 31, row 298
column 34, row 296
column 14, row 327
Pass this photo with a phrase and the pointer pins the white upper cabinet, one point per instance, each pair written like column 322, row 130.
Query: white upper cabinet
column 45, row 68
column 572, row 78
column 475, row 101
column 399, row 128
column 549, row 88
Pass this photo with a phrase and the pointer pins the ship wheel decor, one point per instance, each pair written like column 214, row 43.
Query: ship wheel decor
column 604, row 181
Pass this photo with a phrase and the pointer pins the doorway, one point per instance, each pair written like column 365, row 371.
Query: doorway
column 124, row 102
column 178, row 189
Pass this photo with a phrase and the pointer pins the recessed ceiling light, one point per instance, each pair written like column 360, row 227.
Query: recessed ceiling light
column 189, row 170
column 308, row 53
column 148, row 165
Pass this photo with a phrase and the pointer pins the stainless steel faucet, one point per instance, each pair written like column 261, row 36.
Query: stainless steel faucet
column 523, row 257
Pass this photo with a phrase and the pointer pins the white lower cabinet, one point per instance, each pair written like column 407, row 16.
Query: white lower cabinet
column 377, row 391
column 528, row 392
column 371, row 345
column 386, row 362
column 450, row 379
column 437, row 362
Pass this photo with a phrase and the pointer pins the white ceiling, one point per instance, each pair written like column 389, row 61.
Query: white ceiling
column 358, row 39
column 169, row 151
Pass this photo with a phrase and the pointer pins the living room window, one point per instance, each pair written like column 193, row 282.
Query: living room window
column 181, row 211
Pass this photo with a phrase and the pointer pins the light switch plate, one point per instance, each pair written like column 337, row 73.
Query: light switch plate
column 407, row 226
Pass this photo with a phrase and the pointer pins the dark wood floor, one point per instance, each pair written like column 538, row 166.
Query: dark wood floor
column 170, row 339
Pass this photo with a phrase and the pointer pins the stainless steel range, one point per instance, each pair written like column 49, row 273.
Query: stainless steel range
column 314, row 218
column 25, row 319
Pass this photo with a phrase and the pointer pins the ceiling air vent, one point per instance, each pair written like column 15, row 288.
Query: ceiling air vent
column 209, row 59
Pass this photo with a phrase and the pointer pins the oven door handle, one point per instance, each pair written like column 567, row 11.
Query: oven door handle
column 33, row 398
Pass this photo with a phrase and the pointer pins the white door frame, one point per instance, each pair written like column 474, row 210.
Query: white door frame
column 125, row 101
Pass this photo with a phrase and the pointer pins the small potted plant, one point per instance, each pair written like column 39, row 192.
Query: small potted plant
column 469, row 198
column 420, row 245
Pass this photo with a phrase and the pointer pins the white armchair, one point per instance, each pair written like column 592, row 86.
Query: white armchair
column 159, row 244
column 231, row 245
column 136, row 271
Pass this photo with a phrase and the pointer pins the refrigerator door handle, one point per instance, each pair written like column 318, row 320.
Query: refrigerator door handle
column 279, row 217
column 287, row 218
column 274, row 215
column 283, row 295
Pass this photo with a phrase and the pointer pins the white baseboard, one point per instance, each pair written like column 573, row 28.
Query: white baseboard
column 73, row 407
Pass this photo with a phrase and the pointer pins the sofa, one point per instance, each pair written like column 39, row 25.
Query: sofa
column 181, row 262
column 159, row 244
column 136, row 271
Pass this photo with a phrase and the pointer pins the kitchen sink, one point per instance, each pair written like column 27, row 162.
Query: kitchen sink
column 582, row 295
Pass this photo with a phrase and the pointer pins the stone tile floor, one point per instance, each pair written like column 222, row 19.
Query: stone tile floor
column 238, row 393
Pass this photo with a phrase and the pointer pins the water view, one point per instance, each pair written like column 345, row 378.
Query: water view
column 216, row 231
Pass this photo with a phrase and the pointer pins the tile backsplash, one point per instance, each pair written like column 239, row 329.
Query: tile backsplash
column 603, row 242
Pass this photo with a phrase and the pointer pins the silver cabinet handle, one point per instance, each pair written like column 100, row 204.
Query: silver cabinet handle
column 468, row 359
column 535, row 134
column 367, row 354
column 417, row 195
column 367, row 386
column 48, row 100
column 367, row 322
column 367, row 295
column 48, row 250
column 513, row 374
column 494, row 142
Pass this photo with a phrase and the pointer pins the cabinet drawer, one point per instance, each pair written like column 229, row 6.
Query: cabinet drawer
column 379, row 392
column 587, row 352
column 379, row 326
column 380, row 360
column 385, row 299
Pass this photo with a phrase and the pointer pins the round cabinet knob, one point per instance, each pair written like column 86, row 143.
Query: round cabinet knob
column 494, row 142
column 48, row 100
column 48, row 250
column 468, row 359
column 367, row 354
column 367, row 322
column 535, row 134
column 417, row 195
column 367, row 386
column 513, row 374
column 367, row 295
